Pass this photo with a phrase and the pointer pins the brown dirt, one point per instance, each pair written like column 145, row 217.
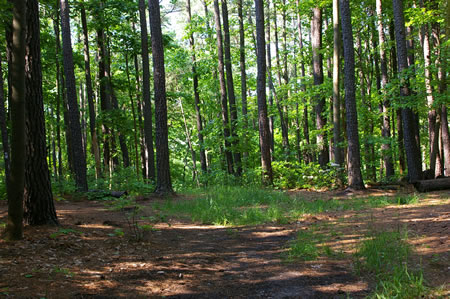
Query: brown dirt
column 85, row 258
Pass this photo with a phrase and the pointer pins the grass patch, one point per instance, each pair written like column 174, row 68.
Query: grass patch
column 227, row 205
column 385, row 255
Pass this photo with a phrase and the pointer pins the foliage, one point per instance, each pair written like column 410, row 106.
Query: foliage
column 296, row 175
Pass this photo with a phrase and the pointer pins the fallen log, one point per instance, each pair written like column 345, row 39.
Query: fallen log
column 106, row 193
column 432, row 185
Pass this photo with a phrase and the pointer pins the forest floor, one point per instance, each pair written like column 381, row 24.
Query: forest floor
column 94, row 254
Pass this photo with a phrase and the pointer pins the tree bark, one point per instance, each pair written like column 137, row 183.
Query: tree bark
column 385, row 129
column 59, row 92
column 338, row 157
column 230, row 87
column 243, row 78
column 269, row 75
column 432, row 185
column 39, row 205
column 163, row 180
column 74, row 114
column 355, row 180
column 14, row 225
column 316, row 42
column 147, row 107
column 223, row 90
column 264, row 135
column 90, row 96
column 412, row 151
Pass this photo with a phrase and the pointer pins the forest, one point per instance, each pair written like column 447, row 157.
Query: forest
column 298, row 133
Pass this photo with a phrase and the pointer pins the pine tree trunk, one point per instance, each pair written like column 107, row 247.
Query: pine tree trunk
column 39, row 206
column 243, row 78
column 385, row 129
column 269, row 75
column 412, row 151
column 338, row 157
column 355, row 180
column 147, row 104
column 316, row 42
column 90, row 96
column 14, row 226
column 59, row 93
column 264, row 135
column 223, row 89
column 230, row 87
column 79, row 161
column 163, row 180
column 139, row 116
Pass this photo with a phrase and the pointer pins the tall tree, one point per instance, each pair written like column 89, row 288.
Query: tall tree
column 223, row 88
column 386, row 128
column 338, row 157
column 163, row 179
column 243, row 75
column 79, row 161
column 39, row 205
column 90, row 95
column 196, row 94
column 147, row 107
column 15, row 185
column 264, row 135
column 230, row 88
column 413, row 157
column 317, row 61
column 355, row 180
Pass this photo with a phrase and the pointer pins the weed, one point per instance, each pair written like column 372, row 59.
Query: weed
column 304, row 247
column 407, row 199
column 64, row 231
column 385, row 254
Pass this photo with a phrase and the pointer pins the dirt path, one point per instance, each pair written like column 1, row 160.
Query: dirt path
column 88, row 257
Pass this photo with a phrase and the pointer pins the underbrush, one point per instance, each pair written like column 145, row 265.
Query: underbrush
column 226, row 205
column 386, row 256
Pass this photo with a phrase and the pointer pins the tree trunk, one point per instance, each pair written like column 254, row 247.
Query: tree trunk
column 90, row 96
column 223, row 90
column 79, row 162
column 432, row 185
column 163, row 180
column 316, row 42
column 230, row 87
column 243, row 78
column 385, row 129
column 3, row 127
column 59, row 92
column 196, row 95
column 306, row 155
column 14, row 225
column 355, row 180
column 412, row 151
column 147, row 107
column 264, row 136
column 269, row 75
column 191, row 148
column 39, row 206
column 338, row 157
column 139, row 116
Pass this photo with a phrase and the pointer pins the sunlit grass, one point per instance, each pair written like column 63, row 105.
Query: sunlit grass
column 251, row 206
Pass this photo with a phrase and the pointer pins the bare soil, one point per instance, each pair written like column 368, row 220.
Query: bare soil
column 88, row 257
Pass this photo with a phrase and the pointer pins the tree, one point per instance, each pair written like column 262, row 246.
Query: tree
column 147, row 107
column 316, row 42
column 39, row 206
column 15, row 185
column 3, row 127
column 413, row 157
column 386, row 128
column 90, row 95
column 223, row 89
column 264, row 135
column 196, row 94
column 243, row 76
column 79, row 158
column 163, row 180
column 230, row 87
column 338, row 157
column 355, row 180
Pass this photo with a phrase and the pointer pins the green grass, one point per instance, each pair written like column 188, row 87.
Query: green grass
column 251, row 206
column 385, row 255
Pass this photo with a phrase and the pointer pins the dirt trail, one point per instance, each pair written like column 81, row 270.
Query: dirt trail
column 87, row 257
